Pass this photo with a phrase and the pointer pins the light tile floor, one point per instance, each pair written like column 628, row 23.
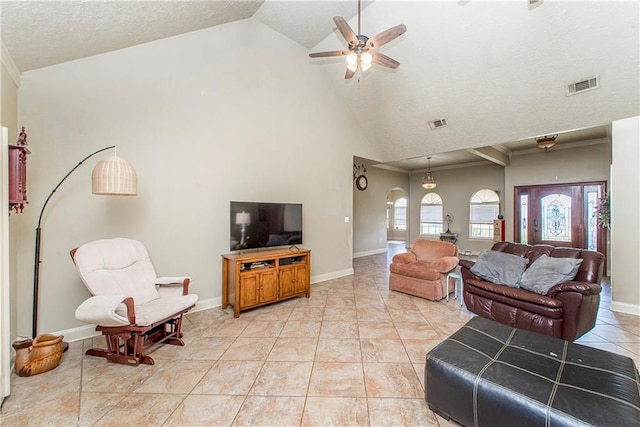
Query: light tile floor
column 352, row 354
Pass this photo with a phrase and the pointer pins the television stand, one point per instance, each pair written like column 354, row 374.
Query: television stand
column 253, row 279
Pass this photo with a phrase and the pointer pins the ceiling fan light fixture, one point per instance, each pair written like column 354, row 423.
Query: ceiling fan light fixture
column 547, row 141
column 429, row 182
column 366, row 58
column 352, row 59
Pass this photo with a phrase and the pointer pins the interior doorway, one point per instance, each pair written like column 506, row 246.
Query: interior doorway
column 397, row 215
column 560, row 215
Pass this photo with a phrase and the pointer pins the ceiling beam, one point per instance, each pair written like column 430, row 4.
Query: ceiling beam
column 491, row 154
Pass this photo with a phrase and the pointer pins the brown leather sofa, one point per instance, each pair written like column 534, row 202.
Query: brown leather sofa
column 423, row 271
column 567, row 311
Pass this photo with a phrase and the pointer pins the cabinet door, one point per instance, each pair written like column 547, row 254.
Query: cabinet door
column 249, row 290
column 268, row 286
column 301, row 282
column 286, row 280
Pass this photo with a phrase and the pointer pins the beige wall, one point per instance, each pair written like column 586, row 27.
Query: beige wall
column 581, row 164
column 205, row 118
column 369, row 208
column 625, row 211
column 589, row 162
column 456, row 186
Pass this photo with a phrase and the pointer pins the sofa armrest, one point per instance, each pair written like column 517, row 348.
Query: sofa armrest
column 445, row 264
column 584, row 288
column 466, row 263
column 405, row 258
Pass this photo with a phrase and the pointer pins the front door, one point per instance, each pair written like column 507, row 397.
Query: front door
column 560, row 215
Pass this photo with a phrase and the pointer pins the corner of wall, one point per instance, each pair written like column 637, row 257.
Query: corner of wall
column 10, row 65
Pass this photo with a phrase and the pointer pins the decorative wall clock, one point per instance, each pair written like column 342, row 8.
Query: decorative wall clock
column 358, row 175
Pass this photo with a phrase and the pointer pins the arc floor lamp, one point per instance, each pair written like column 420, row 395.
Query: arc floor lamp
column 111, row 176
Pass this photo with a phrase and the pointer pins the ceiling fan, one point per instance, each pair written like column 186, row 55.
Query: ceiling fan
column 361, row 53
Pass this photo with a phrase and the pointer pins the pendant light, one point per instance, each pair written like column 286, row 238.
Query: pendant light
column 429, row 181
column 546, row 142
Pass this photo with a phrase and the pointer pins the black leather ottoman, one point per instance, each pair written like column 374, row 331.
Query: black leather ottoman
column 489, row 374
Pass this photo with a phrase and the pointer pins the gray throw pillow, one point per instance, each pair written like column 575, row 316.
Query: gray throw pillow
column 500, row 268
column 546, row 272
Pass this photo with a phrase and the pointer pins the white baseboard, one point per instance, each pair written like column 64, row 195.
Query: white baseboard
column 79, row 333
column 207, row 304
column 372, row 252
column 333, row 275
column 88, row 331
column 623, row 307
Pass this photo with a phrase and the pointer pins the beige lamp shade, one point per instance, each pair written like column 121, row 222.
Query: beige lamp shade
column 114, row 176
column 243, row 218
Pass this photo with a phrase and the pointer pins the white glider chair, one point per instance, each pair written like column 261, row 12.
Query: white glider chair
column 130, row 304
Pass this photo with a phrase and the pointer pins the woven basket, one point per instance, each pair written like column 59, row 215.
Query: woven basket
column 38, row 356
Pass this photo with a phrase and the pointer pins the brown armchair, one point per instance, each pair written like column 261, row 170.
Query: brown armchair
column 423, row 271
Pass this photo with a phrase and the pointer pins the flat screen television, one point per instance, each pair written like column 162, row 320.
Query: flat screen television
column 262, row 225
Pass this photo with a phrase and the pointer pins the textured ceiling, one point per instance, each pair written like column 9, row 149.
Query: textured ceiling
column 496, row 70
column 42, row 33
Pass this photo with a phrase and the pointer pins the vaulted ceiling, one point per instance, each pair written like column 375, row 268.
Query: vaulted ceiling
column 497, row 71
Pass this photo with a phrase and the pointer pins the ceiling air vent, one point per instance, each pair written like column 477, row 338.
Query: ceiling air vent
column 583, row 86
column 438, row 124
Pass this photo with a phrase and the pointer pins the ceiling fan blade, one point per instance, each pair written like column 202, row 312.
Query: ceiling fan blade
column 384, row 60
column 349, row 73
column 345, row 30
column 386, row 36
column 331, row 53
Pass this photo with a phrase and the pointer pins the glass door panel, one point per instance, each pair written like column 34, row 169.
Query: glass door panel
column 555, row 218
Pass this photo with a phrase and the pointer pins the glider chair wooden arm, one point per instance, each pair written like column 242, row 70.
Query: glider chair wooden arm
column 129, row 303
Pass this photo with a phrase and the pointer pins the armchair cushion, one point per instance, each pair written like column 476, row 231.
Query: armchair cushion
column 546, row 272
column 117, row 267
column 500, row 267
column 163, row 308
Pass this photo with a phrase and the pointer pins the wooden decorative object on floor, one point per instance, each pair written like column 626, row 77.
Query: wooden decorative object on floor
column 36, row 356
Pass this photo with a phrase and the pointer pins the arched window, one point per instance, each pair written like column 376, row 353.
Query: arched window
column 484, row 207
column 431, row 214
column 400, row 214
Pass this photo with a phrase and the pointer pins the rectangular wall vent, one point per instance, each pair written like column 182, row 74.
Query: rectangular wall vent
column 438, row 124
column 583, row 85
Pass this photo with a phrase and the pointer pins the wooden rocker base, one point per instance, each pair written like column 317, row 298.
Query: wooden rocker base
column 125, row 344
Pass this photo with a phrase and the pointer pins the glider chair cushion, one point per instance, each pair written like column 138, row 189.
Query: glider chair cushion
column 129, row 303
column 423, row 271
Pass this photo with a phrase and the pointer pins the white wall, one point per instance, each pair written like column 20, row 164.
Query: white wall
column 625, row 211
column 235, row 112
column 369, row 208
